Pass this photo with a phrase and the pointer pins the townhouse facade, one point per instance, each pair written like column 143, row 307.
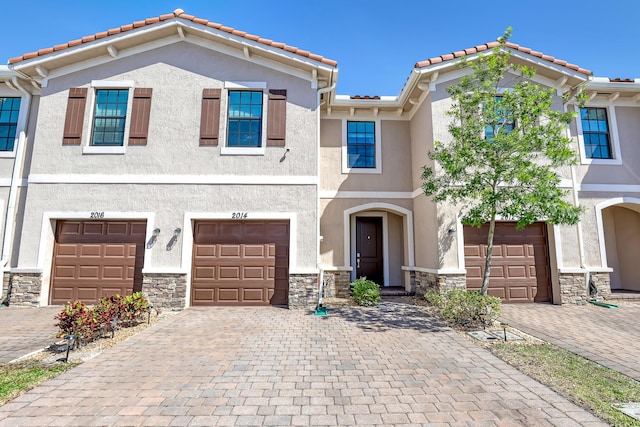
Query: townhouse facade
column 203, row 165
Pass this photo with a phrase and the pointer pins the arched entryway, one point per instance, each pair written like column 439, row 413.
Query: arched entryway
column 620, row 232
column 378, row 242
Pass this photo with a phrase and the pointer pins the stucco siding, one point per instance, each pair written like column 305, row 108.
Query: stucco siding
column 177, row 74
column 168, row 205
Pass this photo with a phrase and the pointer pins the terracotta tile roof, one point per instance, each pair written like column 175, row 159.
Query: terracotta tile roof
column 487, row 46
column 365, row 97
column 178, row 13
column 619, row 80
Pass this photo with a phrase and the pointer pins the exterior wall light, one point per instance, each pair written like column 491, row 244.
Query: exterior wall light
column 153, row 238
column 174, row 238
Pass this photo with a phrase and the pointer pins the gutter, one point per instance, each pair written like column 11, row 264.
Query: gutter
column 318, row 260
column 13, row 189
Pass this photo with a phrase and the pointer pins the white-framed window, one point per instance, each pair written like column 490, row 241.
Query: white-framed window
column 110, row 103
column 361, row 146
column 244, row 124
column 13, row 117
column 598, row 135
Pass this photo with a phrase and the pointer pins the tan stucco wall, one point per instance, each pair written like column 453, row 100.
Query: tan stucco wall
column 177, row 74
column 332, row 227
column 395, row 157
column 396, row 250
column 622, row 234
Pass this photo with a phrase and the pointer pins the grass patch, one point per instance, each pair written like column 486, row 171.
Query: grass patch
column 582, row 381
column 16, row 378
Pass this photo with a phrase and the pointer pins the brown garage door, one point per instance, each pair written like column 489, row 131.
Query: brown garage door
column 520, row 262
column 240, row 263
column 93, row 259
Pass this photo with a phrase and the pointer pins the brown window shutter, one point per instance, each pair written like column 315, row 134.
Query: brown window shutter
column 139, row 128
column 210, row 118
column 277, row 118
column 74, row 122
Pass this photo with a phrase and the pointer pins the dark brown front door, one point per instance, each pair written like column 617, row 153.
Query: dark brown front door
column 519, row 265
column 94, row 259
column 369, row 249
column 240, row 263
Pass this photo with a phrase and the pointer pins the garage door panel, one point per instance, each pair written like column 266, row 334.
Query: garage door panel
column 229, row 272
column 248, row 258
column 96, row 258
column 254, row 273
column 519, row 265
column 230, row 251
column 517, row 271
column 88, row 271
column 87, row 251
column 255, row 251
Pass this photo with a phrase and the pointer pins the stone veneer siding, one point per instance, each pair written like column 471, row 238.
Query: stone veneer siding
column 5, row 288
column 423, row 281
column 166, row 291
column 337, row 284
column 303, row 291
column 574, row 289
column 23, row 289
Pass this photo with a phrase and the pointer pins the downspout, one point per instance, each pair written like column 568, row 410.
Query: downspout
column 576, row 202
column 319, row 260
column 13, row 189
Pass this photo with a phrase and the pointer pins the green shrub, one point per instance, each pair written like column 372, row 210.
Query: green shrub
column 468, row 309
column 365, row 292
column 87, row 323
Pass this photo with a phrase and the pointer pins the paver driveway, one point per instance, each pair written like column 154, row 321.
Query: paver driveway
column 610, row 337
column 24, row 330
column 391, row 365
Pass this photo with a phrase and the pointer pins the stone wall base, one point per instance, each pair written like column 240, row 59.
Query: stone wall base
column 22, row 289
column 303, row 291
column 337, row 284
column 573, row 288
column 423, row 281
column 602, row 280
column 167, row 291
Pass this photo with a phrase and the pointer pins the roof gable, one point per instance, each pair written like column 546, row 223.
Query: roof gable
column 178, row 13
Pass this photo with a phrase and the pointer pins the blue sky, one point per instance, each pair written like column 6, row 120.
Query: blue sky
column 375, row 42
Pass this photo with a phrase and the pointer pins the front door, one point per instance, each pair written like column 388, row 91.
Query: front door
column 369, row 249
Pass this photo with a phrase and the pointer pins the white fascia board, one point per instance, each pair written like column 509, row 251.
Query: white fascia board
column 543, row 63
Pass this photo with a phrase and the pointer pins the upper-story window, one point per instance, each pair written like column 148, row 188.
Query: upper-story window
column 361, row 145
column 245, row 119
column 503, row 118
column 110, row 116
column 9, row 110
column 595, row 131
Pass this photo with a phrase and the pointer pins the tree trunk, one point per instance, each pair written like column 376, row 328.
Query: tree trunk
column 487, row 262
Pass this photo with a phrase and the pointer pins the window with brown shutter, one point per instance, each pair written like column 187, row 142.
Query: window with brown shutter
column 277, row 118
column 139, row 128
column 74, row 121
column 210, row 118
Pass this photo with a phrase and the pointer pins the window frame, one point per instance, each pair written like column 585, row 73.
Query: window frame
column 377, row 147
column 614, row 141
column 20, row 124
column 230, row 86
column 505, row 122
column 87, row 134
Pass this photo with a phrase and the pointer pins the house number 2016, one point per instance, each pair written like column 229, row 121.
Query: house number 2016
column 239, row 215
column 97, row 215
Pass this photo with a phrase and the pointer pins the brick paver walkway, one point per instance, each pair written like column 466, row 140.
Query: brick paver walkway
column 24, row 330
column 610, row 337
column 391, row 365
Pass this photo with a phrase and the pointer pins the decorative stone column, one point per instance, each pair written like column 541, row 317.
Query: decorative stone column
column 573, row 288
column 166, row 291
column 303, row 291
column 23, row 289
column 337, row 283
column 431, row 281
